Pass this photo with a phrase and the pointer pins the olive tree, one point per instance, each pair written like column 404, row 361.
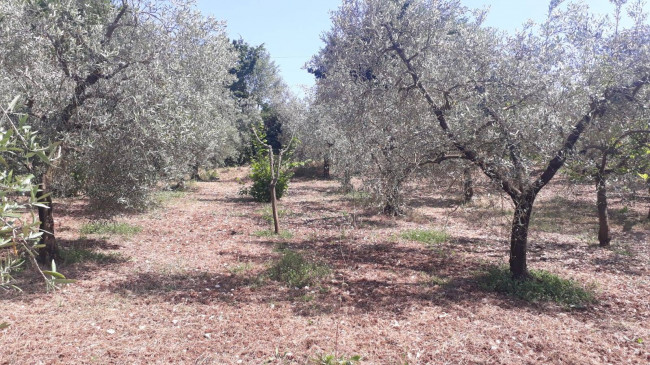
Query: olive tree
column 514, row 106
column 135, row 91
column 614, row 150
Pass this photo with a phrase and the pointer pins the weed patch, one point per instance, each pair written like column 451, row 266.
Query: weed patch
column 124, row 229
column 329, row 359
column 241, row 268
column 542, row 287
column 162, row 197
column 267, row 213
column 270, row 233
column 297, row 271
column 434, row 280
column 428, row 237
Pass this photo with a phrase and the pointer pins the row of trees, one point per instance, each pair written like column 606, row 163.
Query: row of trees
column 406, row 83
column 133, row 92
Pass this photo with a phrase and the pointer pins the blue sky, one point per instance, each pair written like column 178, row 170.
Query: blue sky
column 291, row 29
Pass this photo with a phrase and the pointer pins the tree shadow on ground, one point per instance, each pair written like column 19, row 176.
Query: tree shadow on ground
column 82, row 257
column 365, row 278
column 228, row 199
column 78, row 259
column 613, row 259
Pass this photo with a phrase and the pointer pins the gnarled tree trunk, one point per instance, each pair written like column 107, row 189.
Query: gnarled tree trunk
column 393, row 203
column 195, row 172
column 468, row 189
column 49, row 251
column 603, row 218
column 346, row 182
column 326, row 166
column 519, row 235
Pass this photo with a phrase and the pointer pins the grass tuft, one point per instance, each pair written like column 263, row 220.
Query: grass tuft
column 267, row 213
column 124, row 229
column 434, row 280
column 162, row 197
column 429, row 237
column 241, row 268
column 270, row 233
column 542, row 287
column 297, row 271
column 329, row 359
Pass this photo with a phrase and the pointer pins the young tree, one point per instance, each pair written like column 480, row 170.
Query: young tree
column 514, row 106
column 276, row 170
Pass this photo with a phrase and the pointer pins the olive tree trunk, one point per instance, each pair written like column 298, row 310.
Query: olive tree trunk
column 519, row 235
column 274, row 209
column 649, row 194
column 393, row 203
column 49, row 249
column 326, row 166
column 604, row 236
column 275, row 170
column 468, row 185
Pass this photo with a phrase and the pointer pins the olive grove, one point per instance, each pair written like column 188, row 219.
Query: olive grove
column 428, row 76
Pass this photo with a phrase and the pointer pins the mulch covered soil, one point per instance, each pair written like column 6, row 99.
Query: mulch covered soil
column 191, row 288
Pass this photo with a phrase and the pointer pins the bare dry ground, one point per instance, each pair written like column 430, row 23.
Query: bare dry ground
column 189, row 288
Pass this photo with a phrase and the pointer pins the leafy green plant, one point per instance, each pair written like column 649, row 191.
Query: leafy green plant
column 261, row 177
column 101, row 227
column 425, row 236
column 296, row 271
column 20, row 196
column 541, row 287
column 8, row 265
column 261, row 170
column 329, row 359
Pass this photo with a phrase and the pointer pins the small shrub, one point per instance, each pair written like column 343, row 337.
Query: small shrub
column 208, row 175
column 429, row 237
column 261, row 177
column 296, row 271
column 124, row 229
column 542, row 287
